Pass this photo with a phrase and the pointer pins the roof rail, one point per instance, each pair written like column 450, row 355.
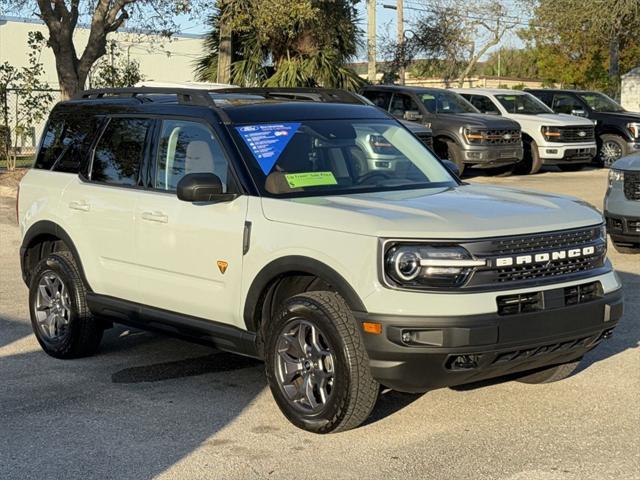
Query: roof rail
column 187, row 96
column 293, row 93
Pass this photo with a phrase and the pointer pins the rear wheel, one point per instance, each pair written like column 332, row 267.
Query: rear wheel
column 612, row 148
column 531, row 163
column 550, row 374
column 61, row 320
column 317, row 366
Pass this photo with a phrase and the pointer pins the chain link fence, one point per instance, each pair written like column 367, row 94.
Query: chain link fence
column 23, row 145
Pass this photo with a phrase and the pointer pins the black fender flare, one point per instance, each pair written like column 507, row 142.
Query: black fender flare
column 46, row 227
column 295, row 264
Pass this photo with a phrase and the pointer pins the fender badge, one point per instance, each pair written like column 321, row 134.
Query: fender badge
column 222, row 266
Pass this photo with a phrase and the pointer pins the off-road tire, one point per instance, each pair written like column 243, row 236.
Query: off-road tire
column 355, row 391
column 550, row 374
column 531, row 163
column 84, row 332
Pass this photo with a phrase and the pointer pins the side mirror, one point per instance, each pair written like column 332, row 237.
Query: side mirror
column 202, row 187
column 452, row 167
column 412, row 116
column 579, row 113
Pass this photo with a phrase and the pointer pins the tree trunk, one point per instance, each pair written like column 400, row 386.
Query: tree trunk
column 614, row 67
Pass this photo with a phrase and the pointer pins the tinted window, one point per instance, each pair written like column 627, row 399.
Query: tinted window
column 523, row 103
column 484, row 104
column 188, row 147
column 401, row 104
column 65, row 142
column 120, row 151
column 443, row 101
column 379, row 99
column 563, row 103
column 600, row 102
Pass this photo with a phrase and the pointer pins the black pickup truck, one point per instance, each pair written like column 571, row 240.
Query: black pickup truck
column 617, row 130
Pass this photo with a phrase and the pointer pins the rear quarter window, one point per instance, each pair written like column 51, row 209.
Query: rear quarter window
column 65, row 142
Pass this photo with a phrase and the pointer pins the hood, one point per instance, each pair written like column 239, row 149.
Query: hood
column 462, row 212
column 622, row 116
column 480, row 120
column 415, row 127
column 557, row 119
column 629, row 163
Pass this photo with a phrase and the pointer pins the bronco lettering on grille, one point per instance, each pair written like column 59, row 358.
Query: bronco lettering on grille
column 545, row 257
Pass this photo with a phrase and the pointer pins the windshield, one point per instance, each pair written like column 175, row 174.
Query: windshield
column 446, row 102
column 600, row 102
column 333, row 157
column 523, row 103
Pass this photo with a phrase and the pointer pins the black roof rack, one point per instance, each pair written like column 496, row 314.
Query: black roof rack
column 293, row 93
column 187, row 96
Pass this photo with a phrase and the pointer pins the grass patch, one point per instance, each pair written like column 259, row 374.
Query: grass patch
column 23, row 162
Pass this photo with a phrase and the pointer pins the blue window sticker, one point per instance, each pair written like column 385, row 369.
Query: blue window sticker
column 267, row 141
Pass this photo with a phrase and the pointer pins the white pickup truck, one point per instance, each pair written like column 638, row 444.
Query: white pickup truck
column 548, row 138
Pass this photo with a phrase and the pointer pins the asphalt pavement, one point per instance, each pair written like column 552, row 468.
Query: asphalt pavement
column 148, row 406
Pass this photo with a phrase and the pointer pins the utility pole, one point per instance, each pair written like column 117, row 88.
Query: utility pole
column 371, row 40
column 224, row 49
column 400, row 10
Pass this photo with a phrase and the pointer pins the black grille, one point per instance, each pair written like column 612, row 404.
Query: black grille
column 522, row 303
column 538, row 259
column 426, row 138
column 632, row 185
column 516, row 355
column 582, row 293
column 502, row 137
column 633, row 226
column 575, row 134
column 548, row 299
column 565, row 239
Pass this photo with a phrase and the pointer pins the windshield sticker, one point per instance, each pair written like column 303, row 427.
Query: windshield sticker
column 267, row 141
column 310, row 179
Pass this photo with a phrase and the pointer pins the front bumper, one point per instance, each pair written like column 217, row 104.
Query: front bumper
column 567, row 153
column 491, row 345
column 623, row 229
column 488, row 156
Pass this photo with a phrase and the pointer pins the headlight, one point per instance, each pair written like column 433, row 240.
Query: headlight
column 634, row 129
column 474, row 135
column 551, row 133
column 615, row 176
column 428, row 266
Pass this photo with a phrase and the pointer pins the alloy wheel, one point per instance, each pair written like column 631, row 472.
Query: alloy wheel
column 53, row 307
column 610, row 152
column 305, row 366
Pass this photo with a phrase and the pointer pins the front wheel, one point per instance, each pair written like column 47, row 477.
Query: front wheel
column 550, row 374
column 612, row 148
column 317, row 366
column 531, row 163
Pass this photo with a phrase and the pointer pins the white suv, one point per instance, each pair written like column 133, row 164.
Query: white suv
column 267, row 229
column 549, row 138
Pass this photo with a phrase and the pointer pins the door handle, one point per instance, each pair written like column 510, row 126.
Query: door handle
column 155, row 217
column 79, row 205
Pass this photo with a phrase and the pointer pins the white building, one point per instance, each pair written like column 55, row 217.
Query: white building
column 167, row 60
column 630, row 92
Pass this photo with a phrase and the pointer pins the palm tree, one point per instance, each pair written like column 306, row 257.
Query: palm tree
column 284, row 43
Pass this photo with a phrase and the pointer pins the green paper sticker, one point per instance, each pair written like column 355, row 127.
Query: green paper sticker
column 310, row 179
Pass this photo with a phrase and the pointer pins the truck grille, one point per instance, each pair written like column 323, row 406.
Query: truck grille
column 538, row 259
column 502, row 137
column 425, row 138
column 632, row 185
column 575, row 134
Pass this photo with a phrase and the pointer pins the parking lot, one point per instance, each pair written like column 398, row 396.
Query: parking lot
column 148, row 406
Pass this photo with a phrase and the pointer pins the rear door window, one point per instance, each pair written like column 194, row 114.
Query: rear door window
column 119, row 153
column 380, row 99
column 564, row 103
column 482, row 103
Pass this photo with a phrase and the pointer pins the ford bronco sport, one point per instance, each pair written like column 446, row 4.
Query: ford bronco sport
column 268, row 229
column 622, row 204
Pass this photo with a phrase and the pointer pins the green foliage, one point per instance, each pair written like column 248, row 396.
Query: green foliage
column 115, row 70
column 33, row 98
column 283, row 43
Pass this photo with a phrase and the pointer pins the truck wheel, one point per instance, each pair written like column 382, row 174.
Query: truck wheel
column 60, row 317
column 571, row 167
column 531, row 163
column 317, row 366
column 612, row 148
column 455, row 155
column 550, row 374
